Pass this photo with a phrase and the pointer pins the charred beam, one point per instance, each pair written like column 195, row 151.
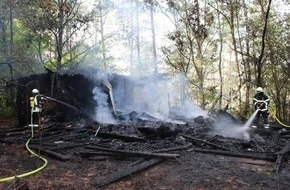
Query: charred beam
column 234, row 154
column 125, row 138
column 106, row 180
column 205, row 142
column 280, row 154
column 135, row 153
column 53, row 154
column 174, row 148
column 66, row 147
column 285, row 150
column 19, row 184
column 277, row 164
column 89, row 154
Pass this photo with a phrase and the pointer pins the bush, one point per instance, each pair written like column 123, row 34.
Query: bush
column 6, row 110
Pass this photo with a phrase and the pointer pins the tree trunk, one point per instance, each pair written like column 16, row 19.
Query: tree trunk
column 153, row 38
column 260, row 59
column 232, row 27
column 12, row 96
column 103, row 48
column 59, row 38
column 220, row 56
column 247, row 68
column 131, row 39
column 138, row 39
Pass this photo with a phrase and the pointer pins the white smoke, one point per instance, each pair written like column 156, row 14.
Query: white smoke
column 144, row 95
column 103, row 114
column 153, row 95
column 191, row 111
column 102, row 75
column 153, row 98
column 229, row 128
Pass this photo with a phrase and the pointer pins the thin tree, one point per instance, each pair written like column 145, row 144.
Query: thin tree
column 101, row 10
column 260, row 58
column 138, row 37
column 154, row 51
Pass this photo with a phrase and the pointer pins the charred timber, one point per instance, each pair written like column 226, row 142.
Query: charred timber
column 135, row 153
column 106, row 180
column 52, row 154
column 19, row 184
column 90, row 154
column 205, row 142
column 278, row 163
column 125, row 138
column 66, row 147
column 233, row 154
column 285, row 150
column 174, row 148
column 23, row 131
column 280, row 155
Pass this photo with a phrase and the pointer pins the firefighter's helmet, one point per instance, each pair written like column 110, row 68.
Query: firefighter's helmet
column 35, row 91
column 259, row 89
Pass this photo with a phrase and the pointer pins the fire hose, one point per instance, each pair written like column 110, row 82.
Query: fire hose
column 284, row 125
column 30, row 172
column 33, row 153
column 274, row 116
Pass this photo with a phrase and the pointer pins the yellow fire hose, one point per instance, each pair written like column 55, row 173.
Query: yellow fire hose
column 284, row 125
column 30, row 172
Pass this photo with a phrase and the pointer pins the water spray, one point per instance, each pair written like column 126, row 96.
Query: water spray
column 251, row 119
column 68, row 105
column 64, row 103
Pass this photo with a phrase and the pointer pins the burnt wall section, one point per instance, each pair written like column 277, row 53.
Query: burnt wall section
column 24, row 87
column 76, row 89
column 73, row 89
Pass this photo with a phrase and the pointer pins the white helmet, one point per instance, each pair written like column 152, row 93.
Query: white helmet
column 35, row 91
column 259, row 89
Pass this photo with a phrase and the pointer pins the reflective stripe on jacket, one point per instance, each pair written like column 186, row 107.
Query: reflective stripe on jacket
column 261, row 101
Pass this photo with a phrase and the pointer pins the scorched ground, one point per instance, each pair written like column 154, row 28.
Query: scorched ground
column 146, row 155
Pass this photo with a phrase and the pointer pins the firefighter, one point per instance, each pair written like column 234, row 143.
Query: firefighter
column 261, row 103
column 36, row 102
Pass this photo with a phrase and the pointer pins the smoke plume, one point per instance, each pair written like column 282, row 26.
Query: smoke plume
column 102, row 112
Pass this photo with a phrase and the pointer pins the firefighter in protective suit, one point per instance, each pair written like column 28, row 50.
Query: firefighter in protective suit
column 261, row 103
column 36, row 102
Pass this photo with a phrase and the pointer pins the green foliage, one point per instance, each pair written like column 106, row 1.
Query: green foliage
column 192, row 50
column 6, row 110
column 54, row 27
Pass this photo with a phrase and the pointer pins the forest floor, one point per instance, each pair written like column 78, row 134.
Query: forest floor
column 191, row 170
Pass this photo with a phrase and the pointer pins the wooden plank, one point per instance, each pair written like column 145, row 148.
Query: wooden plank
column 115, row 176
column 235, row 154
column 52, row 154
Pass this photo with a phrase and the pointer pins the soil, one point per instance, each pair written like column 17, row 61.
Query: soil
column 191, row 170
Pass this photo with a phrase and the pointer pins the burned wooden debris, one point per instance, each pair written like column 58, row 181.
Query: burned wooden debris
column 116, row 176
column 19, row 184
column 144, row 154
column 76, row 142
